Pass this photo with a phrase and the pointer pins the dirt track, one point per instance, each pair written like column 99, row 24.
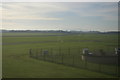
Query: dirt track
column 32, row 35
column 27, row 42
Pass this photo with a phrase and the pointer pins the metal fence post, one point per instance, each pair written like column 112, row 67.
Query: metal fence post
column 36, row 54
column 51, row 54
column 62, row 58
column 52, row 58
column 44, row 57
column 30, row 52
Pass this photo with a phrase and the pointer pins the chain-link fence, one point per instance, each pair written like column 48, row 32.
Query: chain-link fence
column 74, row 57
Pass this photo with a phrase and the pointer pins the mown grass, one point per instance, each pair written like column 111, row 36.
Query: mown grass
column 18, row 64
column 73, row 58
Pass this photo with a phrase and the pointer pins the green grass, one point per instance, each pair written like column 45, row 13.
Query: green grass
column 18, row 64
column 69, row 58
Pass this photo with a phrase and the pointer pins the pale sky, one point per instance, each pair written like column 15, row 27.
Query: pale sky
column 59, row 0
column 83, row 16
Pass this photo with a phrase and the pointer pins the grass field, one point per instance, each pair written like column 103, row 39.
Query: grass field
column 18, row 64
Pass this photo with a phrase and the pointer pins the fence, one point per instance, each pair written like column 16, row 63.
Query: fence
column 72, row 57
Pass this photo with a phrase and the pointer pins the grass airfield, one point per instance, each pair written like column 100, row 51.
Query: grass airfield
column 18, row 64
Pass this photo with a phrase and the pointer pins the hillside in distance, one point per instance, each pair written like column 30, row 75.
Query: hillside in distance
column 59, row 31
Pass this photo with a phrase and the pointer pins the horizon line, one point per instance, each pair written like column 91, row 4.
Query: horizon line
column 59, row 30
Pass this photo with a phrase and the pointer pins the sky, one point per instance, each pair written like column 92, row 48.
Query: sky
column 59, row 0
column 81, row 16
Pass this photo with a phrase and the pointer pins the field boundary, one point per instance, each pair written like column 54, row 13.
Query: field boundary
column 71, row 60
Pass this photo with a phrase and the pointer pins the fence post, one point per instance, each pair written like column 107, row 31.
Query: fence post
column 73, row 60
column 36, row 54
column 41, row 52
column 52, row 58
column 44, row 57
column 62, row 58
column 51, row 54
column 30, row 52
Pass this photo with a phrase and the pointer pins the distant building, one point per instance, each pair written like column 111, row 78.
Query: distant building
column 117, row 51
column 45, row 52
column 85, row 51
column 101, row 59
